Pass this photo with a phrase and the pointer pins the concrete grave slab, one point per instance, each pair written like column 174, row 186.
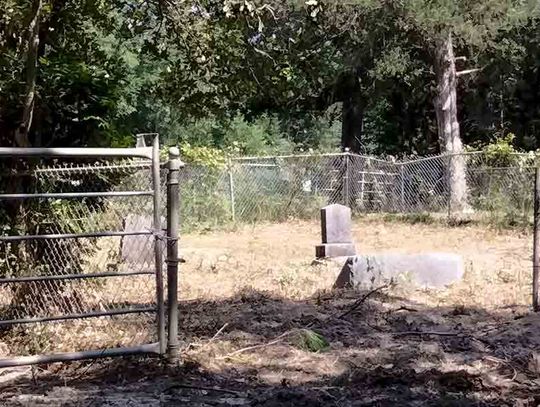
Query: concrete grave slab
column 430, row 270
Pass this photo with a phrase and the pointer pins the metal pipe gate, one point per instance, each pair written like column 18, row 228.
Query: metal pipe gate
column 83, row 241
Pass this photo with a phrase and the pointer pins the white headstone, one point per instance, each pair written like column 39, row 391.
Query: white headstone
column 336, row 224
column 336, row 232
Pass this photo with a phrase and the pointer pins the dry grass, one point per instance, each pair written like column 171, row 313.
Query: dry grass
column 278, row 258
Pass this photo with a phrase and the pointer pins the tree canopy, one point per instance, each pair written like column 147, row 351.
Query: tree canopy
column 267, row 76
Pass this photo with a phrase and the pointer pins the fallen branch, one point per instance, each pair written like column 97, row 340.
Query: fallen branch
column 275, row 341
column 504, row 362
column 201, row 346
column 192, row 387
column 435, row 333
column 359, row 302
column 468, row 71
column 218, row 333
column 403, row 308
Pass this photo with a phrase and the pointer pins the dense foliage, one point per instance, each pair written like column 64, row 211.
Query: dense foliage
column 265, row 77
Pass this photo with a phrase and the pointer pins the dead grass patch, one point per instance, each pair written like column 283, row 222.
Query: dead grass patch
column 279, row 258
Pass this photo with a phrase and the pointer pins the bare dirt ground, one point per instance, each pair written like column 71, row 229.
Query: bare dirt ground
column 252, row 299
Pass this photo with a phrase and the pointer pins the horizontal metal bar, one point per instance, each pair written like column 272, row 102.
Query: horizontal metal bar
column 370, row 158
column 447, row 155
column 70, row 195
column 72, row 356
column 141, row 152
column 78, row 316
column 489, row 169
column 271, row 157
column 314, row 155
column 390, row 174
column 73, row 235
column 67, row 277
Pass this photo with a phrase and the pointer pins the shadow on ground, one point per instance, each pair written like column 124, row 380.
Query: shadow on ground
column 385, row 352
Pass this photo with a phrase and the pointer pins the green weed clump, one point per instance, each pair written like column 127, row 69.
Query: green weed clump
column 310, row 341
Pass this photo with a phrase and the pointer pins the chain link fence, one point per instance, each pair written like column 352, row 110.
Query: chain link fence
column 498, row 188
column 77, row 255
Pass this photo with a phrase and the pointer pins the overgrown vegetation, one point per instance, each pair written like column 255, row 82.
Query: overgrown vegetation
column 274, row 77
column 227, row 78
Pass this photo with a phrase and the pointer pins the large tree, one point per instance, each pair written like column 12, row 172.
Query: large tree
column 307, row 56
column 442, row 27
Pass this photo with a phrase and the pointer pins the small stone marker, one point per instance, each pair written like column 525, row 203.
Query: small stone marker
column 430, row 270
column 336, row 232
column 138, row 249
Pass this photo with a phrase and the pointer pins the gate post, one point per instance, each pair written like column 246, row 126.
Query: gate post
column 173, row 216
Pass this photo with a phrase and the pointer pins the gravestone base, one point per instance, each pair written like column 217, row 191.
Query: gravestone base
column 334, row 250
column 428, row 270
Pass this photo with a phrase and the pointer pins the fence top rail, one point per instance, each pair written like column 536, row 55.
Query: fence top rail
column 88, row 152
column 369, row 157
column 448, row 155
column 402, row 161
column 312, row 155
column 273, row 157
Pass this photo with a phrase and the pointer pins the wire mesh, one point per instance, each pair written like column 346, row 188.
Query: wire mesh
column 424, row 185
column 204, row 196
column 274, row 189
column 280, row 188
column 69, row 292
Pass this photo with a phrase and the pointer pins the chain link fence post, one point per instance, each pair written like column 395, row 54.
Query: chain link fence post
column 402, row 186
column 346, row 180
column 231, row 189
column 173, row 215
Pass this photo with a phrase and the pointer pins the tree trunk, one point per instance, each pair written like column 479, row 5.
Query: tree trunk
column 448, row 126
column 17, row 210
column 21, row 134
column 352, row 121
